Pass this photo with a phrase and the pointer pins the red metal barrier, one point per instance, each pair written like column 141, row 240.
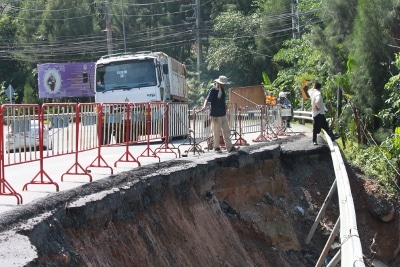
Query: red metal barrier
column 21, row 133
column 68, row 128
column 33, row 133
column 240, row 140
column 273, row 120
column 166, row 146
column 191, row 138
column 5, row 188
column 148, row 152
column 262, row 137
column 280, row 125
column 130, row 128
column 76, row 168
column 99, row 161
column 26, row 139
column 41, row 177
column 61, row 120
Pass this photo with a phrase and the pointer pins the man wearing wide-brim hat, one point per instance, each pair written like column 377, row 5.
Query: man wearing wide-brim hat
column 219, row 122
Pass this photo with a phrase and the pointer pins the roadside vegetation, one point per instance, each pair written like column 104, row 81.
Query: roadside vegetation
column 350, row 46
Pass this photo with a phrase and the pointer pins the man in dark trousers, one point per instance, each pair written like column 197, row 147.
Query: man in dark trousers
column 318, row 113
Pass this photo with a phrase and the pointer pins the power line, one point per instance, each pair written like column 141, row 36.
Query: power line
column 72, row 45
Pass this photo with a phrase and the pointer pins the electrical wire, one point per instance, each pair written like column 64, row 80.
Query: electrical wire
column 89, row 43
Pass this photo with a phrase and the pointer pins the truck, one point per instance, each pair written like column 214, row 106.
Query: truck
column 141, row 77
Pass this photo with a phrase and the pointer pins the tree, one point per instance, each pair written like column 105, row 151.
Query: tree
column 29, row 95
column 276, row 26
column 390, row 114
column 232, row 47
column 11, row 70
column 298, row 60
column 332, row 35
column 48, row 31
column 373, row 57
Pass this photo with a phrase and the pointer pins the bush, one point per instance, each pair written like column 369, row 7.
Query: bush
column 378, row 162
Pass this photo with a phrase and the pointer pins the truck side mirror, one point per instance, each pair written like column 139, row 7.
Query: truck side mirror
column 85, row 78
column 165, row 68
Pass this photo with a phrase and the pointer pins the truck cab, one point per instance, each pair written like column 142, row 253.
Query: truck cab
column 140, row 77
column 134, row 80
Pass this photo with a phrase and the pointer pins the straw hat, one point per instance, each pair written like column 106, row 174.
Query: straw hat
column 222, row 80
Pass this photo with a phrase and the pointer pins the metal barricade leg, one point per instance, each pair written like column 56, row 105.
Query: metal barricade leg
column 165, row 146
column 191, row 137
column 263, row 123
column 148, row 152
column 44, row 178
column 77, row 167
column 7, row 190
column 240, row 141
column 130, row 135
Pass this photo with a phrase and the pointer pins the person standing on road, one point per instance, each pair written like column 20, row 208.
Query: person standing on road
column 285, row 103
column 318, row 113
column 219, row 122
column 283, row 100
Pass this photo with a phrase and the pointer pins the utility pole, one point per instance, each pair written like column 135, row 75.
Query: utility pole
column 108, row 29
column 296, row 33
column 196, row 18
column 198, row 38
column 295, row 20
column 123, row 24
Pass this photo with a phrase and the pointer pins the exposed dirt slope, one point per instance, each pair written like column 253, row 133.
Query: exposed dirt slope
column 251, row 208
column 239, row 210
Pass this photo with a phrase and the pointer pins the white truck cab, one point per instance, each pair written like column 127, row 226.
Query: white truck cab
column 140, row 77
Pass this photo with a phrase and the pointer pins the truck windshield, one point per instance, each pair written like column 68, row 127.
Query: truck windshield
column 123, row 75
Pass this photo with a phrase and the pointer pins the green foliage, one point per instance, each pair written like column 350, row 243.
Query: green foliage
column 11, row 71
column 3, row 96
column 270, row 90
column 390, row 114
column 372, row 33
column 233, row 44
column 275, row 16
column 299, row 61
column 376, row 162
column 397, row 138
column 197, row 92
column 49, row 26
column 29, row 95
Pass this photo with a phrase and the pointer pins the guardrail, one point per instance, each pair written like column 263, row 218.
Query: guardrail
column 350, row 253
column 302, row 115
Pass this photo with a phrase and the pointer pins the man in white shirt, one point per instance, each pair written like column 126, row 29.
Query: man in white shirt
column 318, row 113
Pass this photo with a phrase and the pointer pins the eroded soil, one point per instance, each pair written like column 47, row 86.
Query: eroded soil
column 251, row 208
